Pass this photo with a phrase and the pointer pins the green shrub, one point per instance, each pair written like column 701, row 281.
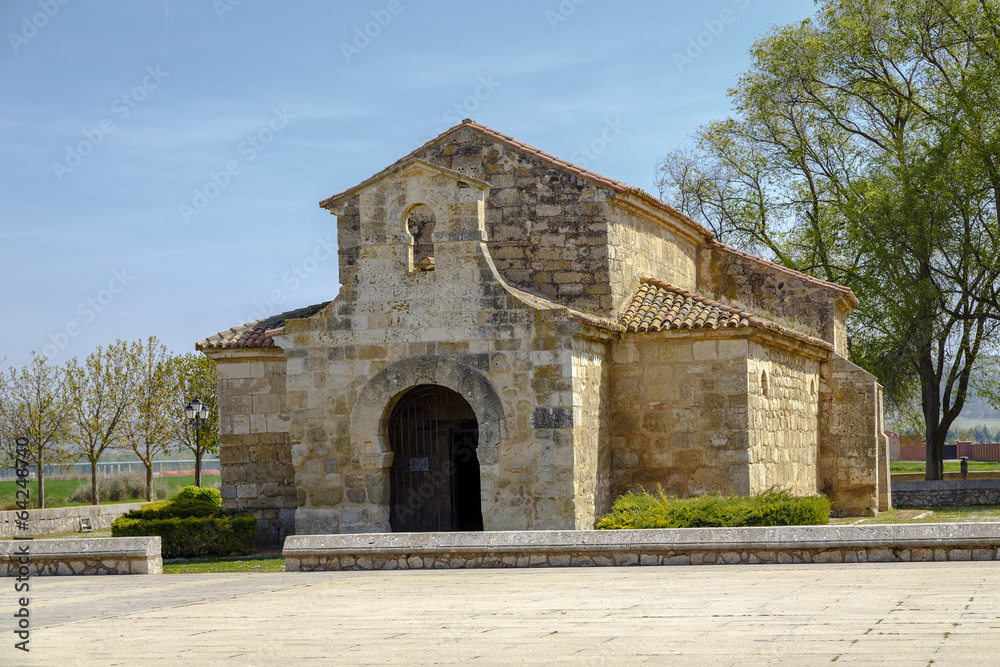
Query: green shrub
column 187, row 537
column 769, row 508
column 204, row 494
column 174, row 508
column 192, row 524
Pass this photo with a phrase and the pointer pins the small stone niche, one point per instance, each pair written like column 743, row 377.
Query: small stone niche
column 420, row 225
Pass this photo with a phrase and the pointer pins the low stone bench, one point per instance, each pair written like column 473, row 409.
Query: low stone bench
column 678, row 546
column 97, row 555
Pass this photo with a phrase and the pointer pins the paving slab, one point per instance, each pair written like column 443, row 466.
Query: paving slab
column 887, row 614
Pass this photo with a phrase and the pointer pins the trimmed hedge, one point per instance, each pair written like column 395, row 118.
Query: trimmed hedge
column 769, row 508
column 187, row 537
column 201, row 494
column 192, row 524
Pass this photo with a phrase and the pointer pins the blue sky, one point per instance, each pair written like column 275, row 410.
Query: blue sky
column 162, row 161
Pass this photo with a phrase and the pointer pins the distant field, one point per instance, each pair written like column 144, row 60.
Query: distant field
column 59, row 491
column 949, row 466
column 963, row 422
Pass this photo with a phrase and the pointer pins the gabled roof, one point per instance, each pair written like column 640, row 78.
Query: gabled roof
column 612, row 184
column 406, row 163
column 657, row 306
column 592, row 176
column 259, row 333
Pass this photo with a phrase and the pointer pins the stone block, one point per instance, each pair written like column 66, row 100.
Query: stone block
column 704, row 350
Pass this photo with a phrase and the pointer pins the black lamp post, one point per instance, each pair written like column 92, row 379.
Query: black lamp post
column 197, row 413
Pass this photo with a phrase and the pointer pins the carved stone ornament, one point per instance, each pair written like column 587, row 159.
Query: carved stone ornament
column 376, row 461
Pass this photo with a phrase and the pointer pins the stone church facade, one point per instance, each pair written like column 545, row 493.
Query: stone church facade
column 517, row 341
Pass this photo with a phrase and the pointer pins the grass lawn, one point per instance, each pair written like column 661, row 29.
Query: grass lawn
column 215, row 565
column 971, row 514
column 59, row 491
column 949, row 466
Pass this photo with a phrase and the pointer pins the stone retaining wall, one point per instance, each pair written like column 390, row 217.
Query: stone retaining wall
column 98, row 555
column 946, row 492
column 681, row 546
column 63, row 519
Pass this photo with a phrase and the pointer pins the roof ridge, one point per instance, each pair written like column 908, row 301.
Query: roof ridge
column 847, row 291
column 612, row 183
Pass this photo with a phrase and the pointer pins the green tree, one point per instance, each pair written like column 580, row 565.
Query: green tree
column 33, row 406
column 99, row 394
column 149, row 427
column 863, row 149
column 981, row 433
column 197, row 380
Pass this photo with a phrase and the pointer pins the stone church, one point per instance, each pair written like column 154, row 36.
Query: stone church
column 517, row 341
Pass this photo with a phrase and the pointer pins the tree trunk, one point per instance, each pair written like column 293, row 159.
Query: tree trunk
column 149, row 481
column 931, row 399
column 197, row 467
column 93, row 483
column 41, row 481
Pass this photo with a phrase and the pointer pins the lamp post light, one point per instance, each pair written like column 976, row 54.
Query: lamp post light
column 197, row 413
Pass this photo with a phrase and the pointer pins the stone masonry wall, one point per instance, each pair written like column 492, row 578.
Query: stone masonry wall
column 643, row 247
column 762, row 286
column 254, row 451
column 391, row 328
column 63, row 519
column 680, row 414
column 850, row 430
column 946, row 493
column 546, row 227
column 549, row 231
column 784, row 416
column 592, row 464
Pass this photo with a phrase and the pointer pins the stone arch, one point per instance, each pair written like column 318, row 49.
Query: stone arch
column 380, row 394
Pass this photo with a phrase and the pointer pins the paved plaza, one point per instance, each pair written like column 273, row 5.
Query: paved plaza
column 893, row 614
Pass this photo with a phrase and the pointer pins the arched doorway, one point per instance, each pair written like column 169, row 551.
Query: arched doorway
column 434, row 482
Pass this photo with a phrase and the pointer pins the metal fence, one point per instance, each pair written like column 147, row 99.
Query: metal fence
column 113, row 468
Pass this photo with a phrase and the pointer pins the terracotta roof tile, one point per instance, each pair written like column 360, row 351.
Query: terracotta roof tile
column 657, row 306
column 259, row 333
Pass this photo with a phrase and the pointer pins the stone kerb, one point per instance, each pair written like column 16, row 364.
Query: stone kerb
column 683, row 546
column 98, row 555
